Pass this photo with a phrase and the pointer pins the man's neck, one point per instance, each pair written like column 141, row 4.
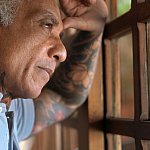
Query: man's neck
column 5, row 95
column 2, row 75
column 1, row 89
column 1, row 92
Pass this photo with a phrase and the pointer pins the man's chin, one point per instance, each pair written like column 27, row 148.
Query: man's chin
column 26, row 90
column 27, row 94
column 33, row 93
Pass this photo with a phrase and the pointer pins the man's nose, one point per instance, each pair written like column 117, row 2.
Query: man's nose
column 58, row 51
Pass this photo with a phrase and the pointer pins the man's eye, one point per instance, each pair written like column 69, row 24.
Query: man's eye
column 48, row 25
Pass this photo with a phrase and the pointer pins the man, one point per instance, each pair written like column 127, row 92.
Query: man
column 30, row 50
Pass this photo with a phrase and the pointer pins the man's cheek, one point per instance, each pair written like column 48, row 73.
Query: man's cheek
column 40, row 77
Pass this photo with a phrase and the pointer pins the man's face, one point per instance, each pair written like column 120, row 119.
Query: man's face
column 31, row 47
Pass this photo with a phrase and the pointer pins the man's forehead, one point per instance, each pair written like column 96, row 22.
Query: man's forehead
column 44, row 2
column 44, row 7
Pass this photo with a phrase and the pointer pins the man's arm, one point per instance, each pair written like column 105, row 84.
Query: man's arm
column 70, row 84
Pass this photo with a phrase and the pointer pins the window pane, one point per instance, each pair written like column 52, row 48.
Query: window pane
column 70, row 139
column 113, row 142
column 146, row 144
column 117, row 8
column 118, row 142
column 119, row 77
column 126, row 67
column 113, row 79
column 128, row 143
column 148, row 50
column 123, row 6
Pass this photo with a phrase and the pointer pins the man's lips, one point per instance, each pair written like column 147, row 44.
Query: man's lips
column 48, row 70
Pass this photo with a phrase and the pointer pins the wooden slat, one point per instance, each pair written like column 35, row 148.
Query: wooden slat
column 70, row 139
column 117, row 86
column 117, row 80
column 83, row 132
column 145, row 144
column 143, row 71
column 95, row 98
column 122, row 24
column 128, row 127
column 118, row 27
column 47, row 139
column 148, row 59
column 96, row 139
column 108, row 78
column 112, row 6
column 138, row 144
column 95, row 109
column 136, row 73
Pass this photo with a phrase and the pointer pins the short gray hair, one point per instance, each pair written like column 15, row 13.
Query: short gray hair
column 8, row 11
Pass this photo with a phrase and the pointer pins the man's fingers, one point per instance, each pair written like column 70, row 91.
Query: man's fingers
column 73, row 22
column 88, row 2
column 85, row 2
column 80, row 23
column 64, row 2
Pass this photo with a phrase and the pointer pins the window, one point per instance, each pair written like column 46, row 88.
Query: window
column 131, row 131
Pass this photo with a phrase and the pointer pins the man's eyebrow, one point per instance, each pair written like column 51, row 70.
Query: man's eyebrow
column 48, row 14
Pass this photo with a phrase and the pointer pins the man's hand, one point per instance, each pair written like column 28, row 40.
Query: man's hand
column 87, row 15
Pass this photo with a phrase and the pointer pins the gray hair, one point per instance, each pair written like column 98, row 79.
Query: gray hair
column 8, row 11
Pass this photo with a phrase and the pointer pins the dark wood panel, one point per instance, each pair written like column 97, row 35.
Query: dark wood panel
column 122, row 24
column 126, row 127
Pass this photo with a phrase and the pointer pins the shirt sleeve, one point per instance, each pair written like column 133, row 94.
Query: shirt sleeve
column 24, row 117
column 4, row 133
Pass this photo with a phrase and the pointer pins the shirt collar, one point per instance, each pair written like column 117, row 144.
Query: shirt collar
column 1, row 96
column 5, row 97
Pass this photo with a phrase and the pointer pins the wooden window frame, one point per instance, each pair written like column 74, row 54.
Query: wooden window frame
column 134, row 21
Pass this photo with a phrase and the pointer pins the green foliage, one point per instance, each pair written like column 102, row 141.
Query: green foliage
column 123, row 6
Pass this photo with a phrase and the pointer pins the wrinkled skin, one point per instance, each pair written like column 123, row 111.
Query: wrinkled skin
column 31, row 47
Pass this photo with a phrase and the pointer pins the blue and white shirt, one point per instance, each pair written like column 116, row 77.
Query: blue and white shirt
column 21, row 117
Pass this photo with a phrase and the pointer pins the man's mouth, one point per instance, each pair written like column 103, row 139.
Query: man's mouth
column 48, row 70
